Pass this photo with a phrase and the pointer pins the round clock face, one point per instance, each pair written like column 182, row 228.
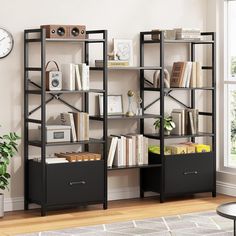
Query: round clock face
column 6, row 43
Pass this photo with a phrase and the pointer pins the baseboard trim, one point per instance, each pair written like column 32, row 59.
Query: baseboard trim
column 13, row 204
column 226, row 188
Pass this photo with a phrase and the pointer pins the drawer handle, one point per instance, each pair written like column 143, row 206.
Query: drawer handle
column 190, row 173
column 77, row 183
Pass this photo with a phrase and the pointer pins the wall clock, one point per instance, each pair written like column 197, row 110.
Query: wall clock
column 6, row 43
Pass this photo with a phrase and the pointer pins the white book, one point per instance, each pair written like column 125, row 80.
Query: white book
column 189, row 74
column 199, row 75
column 193, row 79
column 133, row 157
column 68, row 76
column 77, row 78
column 182, row 111
column 134, row 152
column 129, row 151
column 68, row 119
column 123, row 148
column 192, row 128
column 186, row 74
column 86, row 126
column 112, row 150
column 87, row 77
column 117, row 157
column 84, row 75
column 52, row 160
column 145, row 150
column 139, row 148
column 176, row 117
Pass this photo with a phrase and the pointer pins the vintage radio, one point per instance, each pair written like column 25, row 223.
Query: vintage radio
column 53, row 78
column 65, row 31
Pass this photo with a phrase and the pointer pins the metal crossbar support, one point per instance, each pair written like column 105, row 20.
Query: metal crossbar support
column 167, row 94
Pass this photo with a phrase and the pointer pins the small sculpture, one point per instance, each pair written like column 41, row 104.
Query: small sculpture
column 139, row 109
column 130, row 95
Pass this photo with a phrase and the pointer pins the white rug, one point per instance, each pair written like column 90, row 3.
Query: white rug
column 201, row 223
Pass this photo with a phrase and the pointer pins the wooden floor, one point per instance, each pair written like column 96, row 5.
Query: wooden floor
column 30, row 221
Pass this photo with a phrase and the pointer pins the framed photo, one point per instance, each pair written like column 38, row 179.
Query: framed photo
column 114, row 105
column 123, row 49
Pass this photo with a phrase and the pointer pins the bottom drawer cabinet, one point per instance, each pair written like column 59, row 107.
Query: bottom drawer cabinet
column 189, row 173
column 69, row 183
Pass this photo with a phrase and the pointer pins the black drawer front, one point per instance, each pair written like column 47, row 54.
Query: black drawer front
column 75, row 182
column 189, row 173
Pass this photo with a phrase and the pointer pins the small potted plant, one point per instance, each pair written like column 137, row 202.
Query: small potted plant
column 168, row 124
column 8, row 148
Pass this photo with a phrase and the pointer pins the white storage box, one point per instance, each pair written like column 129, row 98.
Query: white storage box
column 57, row 133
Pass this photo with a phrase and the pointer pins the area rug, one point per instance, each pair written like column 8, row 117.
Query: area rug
column 201, row 223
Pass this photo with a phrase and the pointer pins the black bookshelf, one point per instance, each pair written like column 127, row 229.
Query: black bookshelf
column 187, row 173
column 62, row 184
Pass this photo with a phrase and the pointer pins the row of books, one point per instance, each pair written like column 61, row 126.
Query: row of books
column 79, row 122
column 186, row 74
column 183, row 34
column 75, row 76
column 181, row 148
column 186, row 121
column 127, row 150
column 79, row 156
column 112, row 63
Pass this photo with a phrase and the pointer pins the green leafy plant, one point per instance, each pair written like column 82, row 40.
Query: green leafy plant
column 8, row 148
column 168, row 123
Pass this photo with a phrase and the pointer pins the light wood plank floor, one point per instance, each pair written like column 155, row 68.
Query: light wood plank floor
column 30, row 221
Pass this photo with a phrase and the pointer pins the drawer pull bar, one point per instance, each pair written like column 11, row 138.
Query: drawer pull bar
column 190, row 173
column 77, row 183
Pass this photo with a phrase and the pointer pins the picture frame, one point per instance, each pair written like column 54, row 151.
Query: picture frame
column 114, row 105
column 123, row 50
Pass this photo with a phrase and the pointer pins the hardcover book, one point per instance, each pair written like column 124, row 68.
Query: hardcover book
column 177, row 74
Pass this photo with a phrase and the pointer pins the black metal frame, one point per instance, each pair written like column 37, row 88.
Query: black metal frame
column 166, row 92
column 29, row 38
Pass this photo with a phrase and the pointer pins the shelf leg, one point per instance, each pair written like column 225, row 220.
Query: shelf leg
column 141, row 193
column 104, row 205
column 43, row 211
column 26, row 205
column 213, row 193
column 162, row 198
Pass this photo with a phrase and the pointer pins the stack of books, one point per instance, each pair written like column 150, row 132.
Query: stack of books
column 188, row 34
column 75, row 76
column 52, row 160
column 186, row 121
column 80, row 156
column 181, row 148
column 79, row 122
column 186, row 74
column 127, row 150
column 111, row 63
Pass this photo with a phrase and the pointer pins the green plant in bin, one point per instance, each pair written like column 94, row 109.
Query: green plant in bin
column 168, row 123
column 8, row 148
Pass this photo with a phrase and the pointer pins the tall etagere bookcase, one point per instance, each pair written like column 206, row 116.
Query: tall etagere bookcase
column 62, row 184
column 183, row 173
column 168, row 175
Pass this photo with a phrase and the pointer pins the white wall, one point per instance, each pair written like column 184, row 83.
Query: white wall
column 215, row 20
column 122, row 19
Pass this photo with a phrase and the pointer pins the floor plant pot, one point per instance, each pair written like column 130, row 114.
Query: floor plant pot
column 1, row 205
